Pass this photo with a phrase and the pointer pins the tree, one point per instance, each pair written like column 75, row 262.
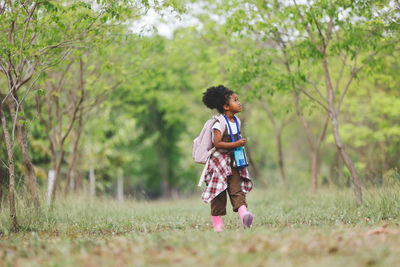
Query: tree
column 157, row 104
column 58, row 105
column 35, row 36
column 11, row 171
column 253, row 70
column 315, row 33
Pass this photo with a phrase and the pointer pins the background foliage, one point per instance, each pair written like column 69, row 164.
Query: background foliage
column 149, row 90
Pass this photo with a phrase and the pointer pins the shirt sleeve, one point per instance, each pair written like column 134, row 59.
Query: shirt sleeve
column 217, row 126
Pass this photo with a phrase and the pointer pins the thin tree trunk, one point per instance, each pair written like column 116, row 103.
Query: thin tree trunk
column 278, row 134
column 73, row 116
column 51, row 177
column 314, row 146
column 70, row 174
column 77, row 175
column 76, row 138
column 71, row 180
column 336, row 168
column 11, row 171
column 315, row 156
column 384, row 167
column 50, row 183
column 253, row 166
column 120, row 186
column 164, row 182
column 22, row 139
column 348, row 162
column 92, row 179
column 164, row 173
column 335, row 127
column 3, row 175
column 314, row 169
column 56, row 175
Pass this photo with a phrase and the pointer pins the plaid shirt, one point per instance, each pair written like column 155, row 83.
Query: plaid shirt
column 216, row 177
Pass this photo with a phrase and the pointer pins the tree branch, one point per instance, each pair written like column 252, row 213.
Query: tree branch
column 316, row 89
column 354, row 71
column 12, row 28
column 29, row 75
column 322, row 135
column 303, row 120
column 82, row 88
column 43, row 50
column 313, row 98
column 324, row 44
column 340, row 73
column 329, row 31
column 27, row 21
column 271, row 117
column 305, row 24
column 39, row 111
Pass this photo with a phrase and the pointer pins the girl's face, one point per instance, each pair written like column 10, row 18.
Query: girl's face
column 233, row 104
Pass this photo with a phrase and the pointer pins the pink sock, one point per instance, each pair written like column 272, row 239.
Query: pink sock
column 242, row 210
column 217, row 223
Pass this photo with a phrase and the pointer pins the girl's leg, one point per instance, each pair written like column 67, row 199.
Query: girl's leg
column 218, row 209
column 238, row 198
column 217, row 223
column 245, row 216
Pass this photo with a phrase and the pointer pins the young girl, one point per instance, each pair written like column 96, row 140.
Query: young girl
column 221, row 176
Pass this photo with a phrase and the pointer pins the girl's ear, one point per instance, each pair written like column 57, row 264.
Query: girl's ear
column 226, row 107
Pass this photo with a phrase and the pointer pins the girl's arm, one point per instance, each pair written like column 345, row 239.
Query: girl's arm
column 226, row 145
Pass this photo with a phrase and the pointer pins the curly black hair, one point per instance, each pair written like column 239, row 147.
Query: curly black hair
column 217, row 97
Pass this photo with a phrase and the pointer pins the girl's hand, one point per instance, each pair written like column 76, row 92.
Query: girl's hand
column 241, row 142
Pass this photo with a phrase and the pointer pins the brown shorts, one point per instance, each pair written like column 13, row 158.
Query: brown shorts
column 236, row 195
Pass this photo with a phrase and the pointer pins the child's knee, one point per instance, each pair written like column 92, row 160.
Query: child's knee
column 218, row 205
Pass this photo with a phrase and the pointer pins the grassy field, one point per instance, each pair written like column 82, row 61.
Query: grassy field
column 291, row 228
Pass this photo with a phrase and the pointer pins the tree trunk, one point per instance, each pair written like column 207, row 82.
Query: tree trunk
column 253, row 166
column 315, row 146
column 335, row 127
column 11, row 171
column 3, row 175
column 120, row 186
column 384, row 163
column 22, row 139
column 278, row 136
column 92, row 179
column 164, row 182
column 348, row 162
column 164, row 173
column 50, row 184
column 56, row 176
column 77, row 175
column 314, row 169
column 32, row 181
column 51, row 177
column 72, row 162
column 336, row 169
column 71, row 180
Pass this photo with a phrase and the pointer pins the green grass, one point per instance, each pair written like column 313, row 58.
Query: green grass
column 290, row 228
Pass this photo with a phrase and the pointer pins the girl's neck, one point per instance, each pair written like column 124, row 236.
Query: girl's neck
column 229, row 115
